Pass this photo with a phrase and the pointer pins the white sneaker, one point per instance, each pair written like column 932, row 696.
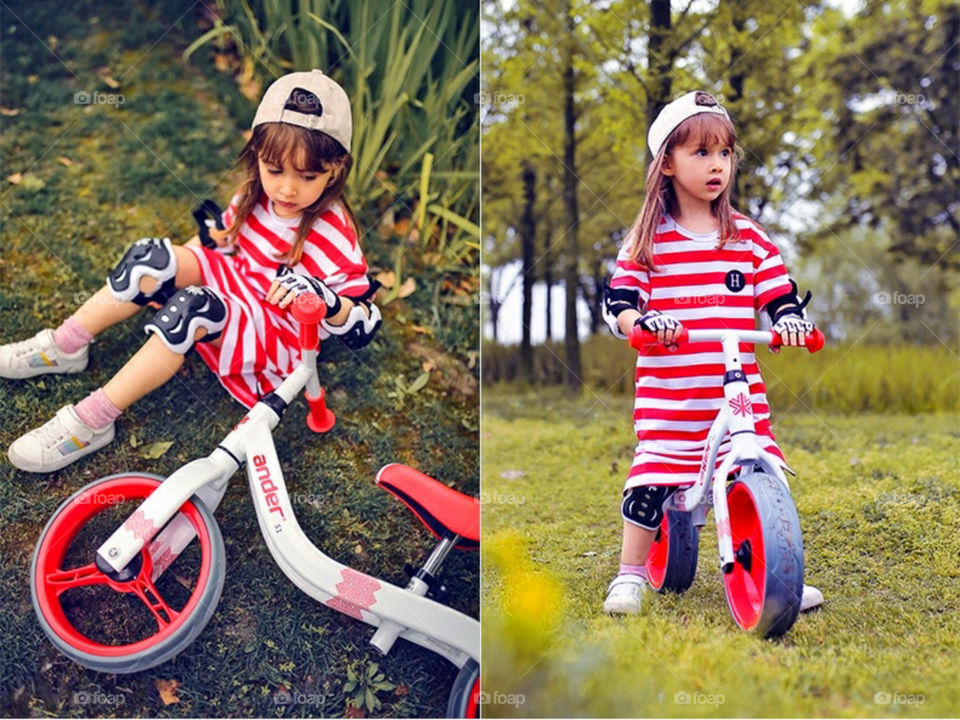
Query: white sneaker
column 625, row 594
column 58, row 442
column 812, row 598
column 39, row 355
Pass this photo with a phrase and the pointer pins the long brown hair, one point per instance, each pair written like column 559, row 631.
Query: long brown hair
column 660, row 197
column 308, row 151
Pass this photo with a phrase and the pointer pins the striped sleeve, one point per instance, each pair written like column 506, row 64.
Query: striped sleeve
column 770, row 276
column 630, row 282
column 331, row 252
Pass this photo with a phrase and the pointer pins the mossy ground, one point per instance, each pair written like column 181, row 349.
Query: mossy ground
column 879, row 501
column 137, row 169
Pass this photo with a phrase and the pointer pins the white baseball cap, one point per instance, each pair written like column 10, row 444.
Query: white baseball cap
column 332, row 114
column 685, row 106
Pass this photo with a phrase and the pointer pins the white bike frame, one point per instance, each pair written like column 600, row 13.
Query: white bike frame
column 397, row 612
column 735, row 417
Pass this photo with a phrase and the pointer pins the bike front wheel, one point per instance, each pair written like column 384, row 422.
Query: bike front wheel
column 672, row 559
column 765, row 584
column 464, row 699
column 139, row 618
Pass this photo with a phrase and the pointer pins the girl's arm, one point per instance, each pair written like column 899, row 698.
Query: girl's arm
column 195, row 240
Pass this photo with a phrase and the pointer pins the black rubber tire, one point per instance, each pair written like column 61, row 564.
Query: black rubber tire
column 682, row 551
column 166, row 649
column 781, row 566
column 464, row 702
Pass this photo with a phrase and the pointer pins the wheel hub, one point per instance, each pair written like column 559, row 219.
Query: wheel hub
column 126, row 574
column 744, row 555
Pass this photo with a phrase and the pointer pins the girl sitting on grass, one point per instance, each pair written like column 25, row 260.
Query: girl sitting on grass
column 689, row 260
column 288, row 230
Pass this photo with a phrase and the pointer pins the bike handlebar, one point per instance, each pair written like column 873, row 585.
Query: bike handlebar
column 640, row 338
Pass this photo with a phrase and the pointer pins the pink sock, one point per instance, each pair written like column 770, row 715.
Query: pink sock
column 71, row 336
column 96, row 410
column 626, row 569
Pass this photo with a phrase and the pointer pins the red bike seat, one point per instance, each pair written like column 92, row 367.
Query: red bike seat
column 442, row 509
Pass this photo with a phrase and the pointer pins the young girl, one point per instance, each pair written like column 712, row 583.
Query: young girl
column 289, row 229
column 689, row 260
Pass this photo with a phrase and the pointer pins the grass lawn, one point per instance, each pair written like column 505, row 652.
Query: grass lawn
column 879, row 502
column 94, row 178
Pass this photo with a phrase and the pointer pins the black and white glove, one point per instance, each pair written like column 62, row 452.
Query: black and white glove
column 289, row 285
column 654, row 321
column 661, row 324
column 792, row 329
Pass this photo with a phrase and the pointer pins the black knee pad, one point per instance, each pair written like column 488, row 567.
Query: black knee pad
column 643, row 505
column 148, row 257
column 186, row 312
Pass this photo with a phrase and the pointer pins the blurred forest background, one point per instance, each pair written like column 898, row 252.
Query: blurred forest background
column 847, row 114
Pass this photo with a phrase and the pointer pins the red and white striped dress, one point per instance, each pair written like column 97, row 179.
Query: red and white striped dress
column 679, row 393
column 259, row 346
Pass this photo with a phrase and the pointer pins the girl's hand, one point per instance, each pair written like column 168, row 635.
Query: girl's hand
column 289, row 285
column 792, row 330
column 666, row 327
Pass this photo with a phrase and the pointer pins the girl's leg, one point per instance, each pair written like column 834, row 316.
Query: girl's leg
column 103, row 310
column 636, row 544
column 152, row 366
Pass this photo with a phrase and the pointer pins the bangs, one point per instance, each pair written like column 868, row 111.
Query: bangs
column 703, row 129
column 306, row 150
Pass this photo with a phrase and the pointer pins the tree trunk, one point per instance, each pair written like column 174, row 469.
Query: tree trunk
column 528, row 230
column 548, row 278
column 571, row 342
column 658, row 59
column 493, row 304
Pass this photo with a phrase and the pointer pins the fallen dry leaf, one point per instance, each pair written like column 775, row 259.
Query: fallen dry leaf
column 420, row 329
column 168, row 691
column 428, row 365
column 9, row 112
column 65, row 161
column 407, row 288
column 111, row 83
column 15, row 178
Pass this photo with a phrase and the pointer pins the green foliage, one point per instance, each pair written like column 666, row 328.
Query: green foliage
column 878, row 497
column 363, row 684
column 843, row 378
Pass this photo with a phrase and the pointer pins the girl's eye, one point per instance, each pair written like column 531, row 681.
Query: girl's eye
column 309, row 178
column 274, row 171
column 726, row 152
column 702, row 151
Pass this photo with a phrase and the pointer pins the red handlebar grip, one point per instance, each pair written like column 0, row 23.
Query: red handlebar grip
column 320, row 418
column 309, row 310
column 640, row 338
column 815, row 341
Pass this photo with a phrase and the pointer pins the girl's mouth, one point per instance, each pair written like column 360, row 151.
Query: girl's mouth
column 714, row 184
column 285, row 205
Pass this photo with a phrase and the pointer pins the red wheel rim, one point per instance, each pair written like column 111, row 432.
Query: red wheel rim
column 473, row 707
column 656, row 562
column 51, row 580
column 746, row 589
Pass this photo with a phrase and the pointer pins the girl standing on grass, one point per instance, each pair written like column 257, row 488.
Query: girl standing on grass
column 288, row 230
column 689, row 260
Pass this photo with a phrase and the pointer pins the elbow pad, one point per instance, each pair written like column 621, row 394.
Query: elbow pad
column 358, row 329
column 615, row 301
column 788, row 304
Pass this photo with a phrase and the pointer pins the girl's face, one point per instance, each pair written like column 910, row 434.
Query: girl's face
column 700, row 172
column 292, row 190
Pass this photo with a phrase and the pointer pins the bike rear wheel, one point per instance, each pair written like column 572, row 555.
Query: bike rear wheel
column 123, row 623
column 672, row 559
column 464, row 699
column 765, row 584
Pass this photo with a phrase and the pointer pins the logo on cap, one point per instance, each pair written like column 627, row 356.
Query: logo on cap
column 705, row 99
